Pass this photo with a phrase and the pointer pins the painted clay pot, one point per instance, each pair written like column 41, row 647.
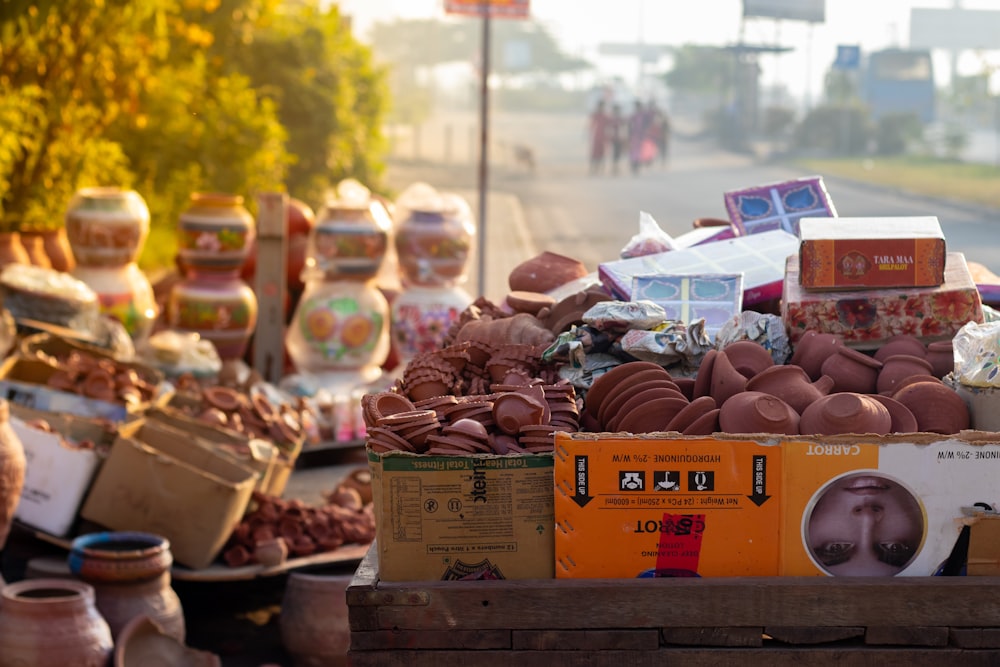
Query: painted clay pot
column 130, row 573
column 898, row 367
column 791, row 384
column 937, row 408
column 422, row 316
column 757, row 412
column 106, row 226
column 12, row 469
column 215, row 233
column 845, row 412
column 813, row 349
column 52, row 623
column 852, row 371
column 941, row 354
column 901, row 344
column 434, row 242
column 314, row 623
column 748, row 357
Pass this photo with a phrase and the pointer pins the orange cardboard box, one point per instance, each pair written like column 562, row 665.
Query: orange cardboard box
column 866, row 253
column 666, row 505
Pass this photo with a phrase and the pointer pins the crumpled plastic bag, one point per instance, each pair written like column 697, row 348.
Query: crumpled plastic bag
column 651, row 239
column 669, row 344
column 977, row 354
column 621, row 316
column 765, row 329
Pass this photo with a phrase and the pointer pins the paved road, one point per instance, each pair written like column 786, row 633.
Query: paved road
column 564, row 209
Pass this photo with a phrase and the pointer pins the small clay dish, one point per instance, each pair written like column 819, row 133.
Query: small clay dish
column 223, row 398
column 703, row 380
column 612, row 407
column 641, row 399
column 651, row 416
column 757, row 412
column 467, row 427
column 409, row 418
column 690, row 413
column 529, row 302
column 417, row 435
column 748, row 357
column 605, row 383
column 387, row 403
column 627, row 388
column 936, row 406
column 707, row 424
column 513, row 410
column 501, row 443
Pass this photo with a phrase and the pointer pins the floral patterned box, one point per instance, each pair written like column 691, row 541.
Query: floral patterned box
column 867, row 318
column 778, row 205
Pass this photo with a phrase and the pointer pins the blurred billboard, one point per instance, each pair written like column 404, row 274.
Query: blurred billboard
column 955, row 29
column 813, row 11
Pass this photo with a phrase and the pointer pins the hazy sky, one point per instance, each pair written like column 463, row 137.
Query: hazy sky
column 580, row 25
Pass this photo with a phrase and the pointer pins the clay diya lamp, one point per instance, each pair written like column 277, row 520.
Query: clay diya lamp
column 937, row 408
column 901, row 344
column 903, row 420
column 898, row 367
column 382, row 404
column 707, row 424
column 521, row 301
column 605, row 383
column 757, row 412
column 480, row 410
column 652, row 415
column 941, row 354
column 513, row 410
column 813, row 349
column 748, row 357
column 417, row 434
column 380, row 440
column 690, row 413
column 726, row 380
column 457, row 356
column 686, row 386
column 852, row 371
column 504, row 444
column 703, row 379
column 791, row 384
column 612, row 406
column 438, row 404
column 845, row 412
column 537, row 392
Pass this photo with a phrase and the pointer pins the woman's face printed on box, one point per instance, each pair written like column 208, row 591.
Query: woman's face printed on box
column 864, row 525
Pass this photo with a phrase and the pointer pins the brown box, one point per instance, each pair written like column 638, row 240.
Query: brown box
column 866, row 253
column 160, row 480
column 984, row 546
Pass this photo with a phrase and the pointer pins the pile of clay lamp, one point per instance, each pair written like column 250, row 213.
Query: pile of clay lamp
column 428, row 412
column 101, row 378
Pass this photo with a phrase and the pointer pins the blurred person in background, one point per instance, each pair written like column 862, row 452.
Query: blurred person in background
column 600, row 136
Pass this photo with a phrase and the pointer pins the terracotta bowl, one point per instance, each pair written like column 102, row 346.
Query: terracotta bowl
column 757, row 412
column 845, row 412
column 691, row 413
column 604, row 384
column 898, row 367
column 852, row 371
column 903, row 420
column 791, row 384
column 813, row 349
column 748, row 357
column 937, row 408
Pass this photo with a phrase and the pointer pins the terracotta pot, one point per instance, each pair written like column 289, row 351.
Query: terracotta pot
column 903, row 420
column 726, row 380
column 941, row 354
column 748, row 357
column 130, row 573
column 898, row 367
column 34, row 245
column 545, row 272
column 12, row 250
column 791, row 384
column 57, row 248
column 52, row 623
column 757, row 412
column 852, row 371
column 813, row 349
column 12, row 468
column 937, row 408
column 845, row 412
column 703, row 380
column 314, row 624
column 901, row 344
column 142, row 643
column 106, row 226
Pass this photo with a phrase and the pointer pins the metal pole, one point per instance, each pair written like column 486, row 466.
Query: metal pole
column 484, row 124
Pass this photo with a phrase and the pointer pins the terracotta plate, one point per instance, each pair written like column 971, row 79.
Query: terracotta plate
column 652, row 416
column 612, row 404
column 606, row 382
column 691, row 413
column 636, row 400
column 707, row 424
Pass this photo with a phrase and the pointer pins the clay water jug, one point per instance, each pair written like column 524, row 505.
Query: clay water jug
column 52, row 623
column 12, row 467
column 791, row 384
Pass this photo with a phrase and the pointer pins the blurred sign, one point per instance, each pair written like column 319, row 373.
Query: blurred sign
column 848, row 57
column 954, row 28
column 504, row 9
column 813, row 11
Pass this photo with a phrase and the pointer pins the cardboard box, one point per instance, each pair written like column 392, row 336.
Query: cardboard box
column 757, row 505
column 984, row 544
column 865, row 253
column 58, row 473
column 451, row 517
column 160, row 480
column 760, row 258
column 647, row 506
column 780, row 205
column 865, row 319
column 22, row 382
column 888, row 506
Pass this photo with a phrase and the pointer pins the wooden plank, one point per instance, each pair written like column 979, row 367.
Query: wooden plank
column 813, row 635
column 975, row 637
column 388, row 640
column 360, row 615
column 586, row 640
column 906, row 635
column 270, row 285
column 708, row 602
column 723, row 637
column 689, row 657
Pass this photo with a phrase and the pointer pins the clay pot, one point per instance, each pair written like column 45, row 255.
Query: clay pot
column 903, row 420
column 937, row 408
column 12, row 250
column 941, row 354
column 852, row 371
column 813, row 349
column 707, row 424
column 845, row 412
column 726, row 380
column 545, row 272
column 898, row 367
column 12, row 469
column 142, row 643
column 314, row 623
column 748, row 357
column 52, row 623
column 901, row 344
column 130, row 573
column 757, row 412
column 791, row 384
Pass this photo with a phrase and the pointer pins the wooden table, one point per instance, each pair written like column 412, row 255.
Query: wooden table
column 774, row 621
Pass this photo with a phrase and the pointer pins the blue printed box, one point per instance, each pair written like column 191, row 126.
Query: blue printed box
column 778, row 205
column 716, row 297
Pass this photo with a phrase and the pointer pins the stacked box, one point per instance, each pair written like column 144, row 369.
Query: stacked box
column 866, row 319
column 870, row 253
column 778, row 205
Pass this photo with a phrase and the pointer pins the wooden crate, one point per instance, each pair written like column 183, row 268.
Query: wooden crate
column 773, row 621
